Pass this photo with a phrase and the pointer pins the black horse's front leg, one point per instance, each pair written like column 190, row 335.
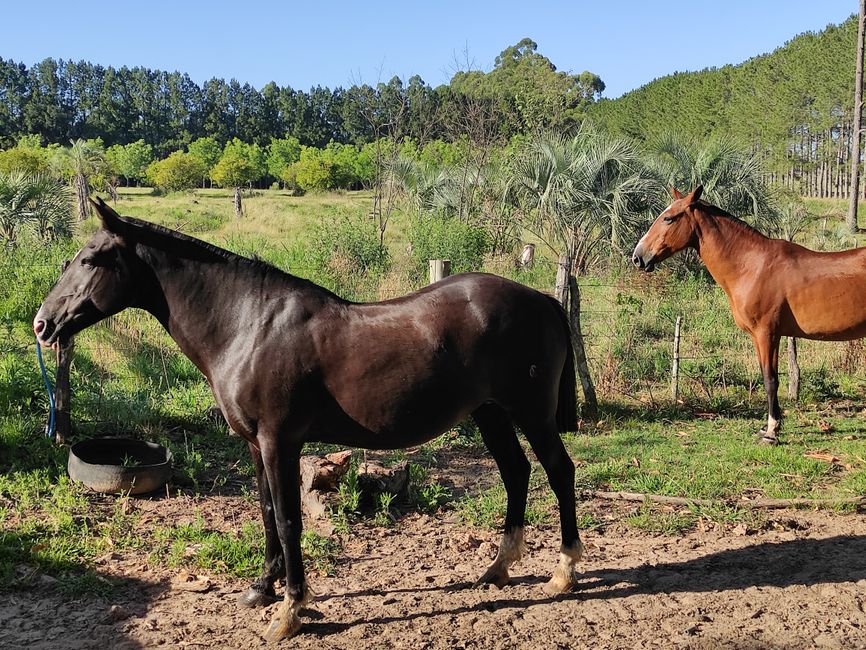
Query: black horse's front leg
column 282, row 469
column 261, row 592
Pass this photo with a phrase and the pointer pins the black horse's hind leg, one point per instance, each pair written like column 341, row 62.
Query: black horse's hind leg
column 282, row 469
column 261, row 592
column 498, row 434
column 548, row 447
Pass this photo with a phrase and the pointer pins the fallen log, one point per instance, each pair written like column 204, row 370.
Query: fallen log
column 769, row 504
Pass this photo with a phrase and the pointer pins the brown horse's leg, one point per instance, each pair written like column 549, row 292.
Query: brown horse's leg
column 261, row 592
column 551, row 453
column 767, row 347
column 282, row 469
column 498, row 435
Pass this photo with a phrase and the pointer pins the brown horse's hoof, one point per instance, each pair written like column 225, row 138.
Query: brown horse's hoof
column 254, row 598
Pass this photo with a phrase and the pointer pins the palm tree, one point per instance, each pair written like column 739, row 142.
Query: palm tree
column 38, row 202
column 582, row 192
column 82, row 163
column 732, row 177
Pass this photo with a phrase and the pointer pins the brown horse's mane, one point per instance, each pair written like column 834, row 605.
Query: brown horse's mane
column 716, row 211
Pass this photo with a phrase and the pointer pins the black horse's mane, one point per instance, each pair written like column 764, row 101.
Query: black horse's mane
column 716, row 211
column 186, row 246
column 170, row 239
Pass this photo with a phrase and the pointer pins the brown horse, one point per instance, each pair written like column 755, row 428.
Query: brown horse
column 775, row 288
column 290, row 362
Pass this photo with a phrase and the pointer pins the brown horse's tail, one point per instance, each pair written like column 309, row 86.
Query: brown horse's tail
column 566, row 406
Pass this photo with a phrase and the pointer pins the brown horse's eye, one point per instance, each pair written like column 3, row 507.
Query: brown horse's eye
column 87, row 262
column 671, row 219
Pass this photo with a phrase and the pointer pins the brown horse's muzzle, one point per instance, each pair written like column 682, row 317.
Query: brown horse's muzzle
column 643, row 260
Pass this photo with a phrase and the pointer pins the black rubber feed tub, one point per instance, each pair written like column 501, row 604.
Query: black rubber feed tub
column 114, row 465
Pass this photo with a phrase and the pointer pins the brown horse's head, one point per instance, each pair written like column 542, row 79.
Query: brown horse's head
column 98, row 282
column 672, row 231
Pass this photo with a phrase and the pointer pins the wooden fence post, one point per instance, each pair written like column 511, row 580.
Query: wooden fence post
column 63, row 394
column 563, row 273
column 675, row 367
column 439, row 270
column 793, row 370
column 579, row 351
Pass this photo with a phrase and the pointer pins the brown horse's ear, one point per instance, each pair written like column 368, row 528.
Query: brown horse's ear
column 676, row 194
column 695, row 196
column 110, row 219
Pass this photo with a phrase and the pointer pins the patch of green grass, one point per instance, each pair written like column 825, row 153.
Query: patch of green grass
column 656, row 520
column 323, row 552
column 239, row 554
column 487, row 510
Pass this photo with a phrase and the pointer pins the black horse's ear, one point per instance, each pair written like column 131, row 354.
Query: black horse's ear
column 110, row 219
column 695, row 196
column 676, row 193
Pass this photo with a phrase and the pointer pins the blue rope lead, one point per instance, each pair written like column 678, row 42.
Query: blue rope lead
column 49, row 431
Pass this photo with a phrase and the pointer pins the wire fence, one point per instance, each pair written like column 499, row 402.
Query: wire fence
column 628, row 327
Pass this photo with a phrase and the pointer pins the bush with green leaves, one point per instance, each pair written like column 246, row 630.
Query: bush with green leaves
column 180, row 171
column 448, row 238
column 345, row 252
column 130, row 160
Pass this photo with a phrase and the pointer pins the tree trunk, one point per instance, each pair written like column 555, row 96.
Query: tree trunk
column 858, row 117
column 239, row 208
column 82, row 192
column 580, row 362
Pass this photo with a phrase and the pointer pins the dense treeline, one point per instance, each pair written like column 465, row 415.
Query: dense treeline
column 793, row 106
column 65, row 100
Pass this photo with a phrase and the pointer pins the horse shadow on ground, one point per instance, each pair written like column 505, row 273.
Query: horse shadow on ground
column 67, row 604
column 771, row 564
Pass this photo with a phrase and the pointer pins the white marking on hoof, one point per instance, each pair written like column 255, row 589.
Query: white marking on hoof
column 511, row 549
column 565, row 576
column 286, row 622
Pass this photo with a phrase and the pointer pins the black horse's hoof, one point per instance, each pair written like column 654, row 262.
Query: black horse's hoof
column 768, row 440
column 255, row 598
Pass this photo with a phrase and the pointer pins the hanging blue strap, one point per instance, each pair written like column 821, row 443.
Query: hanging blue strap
column 49, row 431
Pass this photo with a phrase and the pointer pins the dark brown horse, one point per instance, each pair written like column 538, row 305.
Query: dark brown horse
column 775, row 288
column 290, row 362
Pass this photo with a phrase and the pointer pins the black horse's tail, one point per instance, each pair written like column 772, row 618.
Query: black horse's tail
column 566, row 406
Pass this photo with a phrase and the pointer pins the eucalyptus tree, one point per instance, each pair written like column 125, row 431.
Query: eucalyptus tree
column 37, row 202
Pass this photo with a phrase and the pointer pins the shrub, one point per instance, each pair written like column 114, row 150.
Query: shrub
column 346, row 251
column 447, row 238
column 180, row 171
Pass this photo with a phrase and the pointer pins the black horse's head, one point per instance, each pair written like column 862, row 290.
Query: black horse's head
column 101, row 280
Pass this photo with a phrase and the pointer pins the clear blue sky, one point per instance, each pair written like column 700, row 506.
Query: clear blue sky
column 336, row 43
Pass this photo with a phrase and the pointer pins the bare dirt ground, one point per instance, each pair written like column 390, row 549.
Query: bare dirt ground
column 798, row 582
